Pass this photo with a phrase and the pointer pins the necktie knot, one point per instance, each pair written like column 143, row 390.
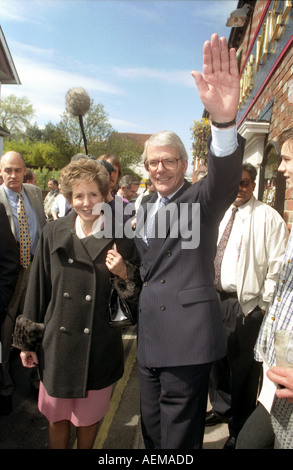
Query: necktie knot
column 164, row 201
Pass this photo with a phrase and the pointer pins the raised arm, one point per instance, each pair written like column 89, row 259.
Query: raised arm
column 219, row 84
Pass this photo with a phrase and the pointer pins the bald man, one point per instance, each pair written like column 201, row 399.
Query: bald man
column 13, row 170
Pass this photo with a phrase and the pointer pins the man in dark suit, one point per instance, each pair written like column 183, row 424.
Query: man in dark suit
column 180, row 330
column 12, row 169
column 9, row 262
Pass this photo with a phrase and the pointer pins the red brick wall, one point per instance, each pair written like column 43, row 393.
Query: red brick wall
column 277, row 89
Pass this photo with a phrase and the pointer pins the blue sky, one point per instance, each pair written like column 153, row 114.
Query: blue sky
column 134, row 57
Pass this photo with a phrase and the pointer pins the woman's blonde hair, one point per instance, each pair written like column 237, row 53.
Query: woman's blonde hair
column 84, row 169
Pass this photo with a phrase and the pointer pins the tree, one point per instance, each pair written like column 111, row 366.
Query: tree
column 128, row 151
column 15, row 115
column 201, row 131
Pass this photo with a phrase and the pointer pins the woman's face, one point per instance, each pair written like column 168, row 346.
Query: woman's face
column 85, row 195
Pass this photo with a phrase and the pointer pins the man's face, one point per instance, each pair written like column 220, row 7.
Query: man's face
column 113, row 175
column 12, row 171
column 166, row 181
column 286, row 165
column 246, row 188
column 52, row 186
column 130, row 193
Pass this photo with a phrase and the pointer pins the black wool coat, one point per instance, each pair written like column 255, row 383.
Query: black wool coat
column 68, row 291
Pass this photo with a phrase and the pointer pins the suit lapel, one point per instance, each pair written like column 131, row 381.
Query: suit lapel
column 4, row 200
column 150, row 253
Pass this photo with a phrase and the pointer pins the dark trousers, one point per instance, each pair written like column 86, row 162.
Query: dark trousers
column 235, row 379
column 173, row 406
column 257, row 432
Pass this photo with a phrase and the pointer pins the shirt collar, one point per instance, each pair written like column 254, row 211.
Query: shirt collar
column 12, row 194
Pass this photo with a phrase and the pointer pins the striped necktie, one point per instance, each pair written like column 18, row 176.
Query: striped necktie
column 149, row 233
column 24, row 236
column 221, row 248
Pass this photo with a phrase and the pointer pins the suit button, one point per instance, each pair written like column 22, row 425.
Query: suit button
column 163, row 281
column 163, row 307
column 86, row 331
column 88, row 298
column 145, row 284
column 66, row 295
column 70, row 260
column 63, row 329
column 169, row 253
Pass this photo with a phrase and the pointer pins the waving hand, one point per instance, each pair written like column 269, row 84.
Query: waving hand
column 219, row 84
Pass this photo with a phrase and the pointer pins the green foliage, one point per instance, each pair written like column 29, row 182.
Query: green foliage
column 201, row 131
column 43, row 175
column 38, row 154
column 128, row 151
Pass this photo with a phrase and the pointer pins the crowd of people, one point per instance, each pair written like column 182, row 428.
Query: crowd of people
column 208, row 314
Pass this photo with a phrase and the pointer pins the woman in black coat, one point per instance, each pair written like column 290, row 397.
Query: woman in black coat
column 80, row 355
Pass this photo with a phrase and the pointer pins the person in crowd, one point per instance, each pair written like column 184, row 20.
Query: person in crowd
column 60, row 207
column 30, row 177
column 80, row 355
column 247, row 265
column 50, row 197
column 116, row 174
column 146, row 195
column 24, row 208
column 128, row 186
column 275, row 429
column 180, row 330
column 9, row 263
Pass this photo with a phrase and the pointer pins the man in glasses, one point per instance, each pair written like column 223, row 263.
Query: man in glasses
column 180, row 330
column 247, row 277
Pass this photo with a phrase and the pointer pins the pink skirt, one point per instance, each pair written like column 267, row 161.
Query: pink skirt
column 80, row 411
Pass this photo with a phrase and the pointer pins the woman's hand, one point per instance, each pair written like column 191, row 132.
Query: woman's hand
column 115, row 263
column 29, row 359
column 282, row 376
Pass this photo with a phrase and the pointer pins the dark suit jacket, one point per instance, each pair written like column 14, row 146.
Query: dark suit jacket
column 9, row 262
column 179, row 318
column 35, row 196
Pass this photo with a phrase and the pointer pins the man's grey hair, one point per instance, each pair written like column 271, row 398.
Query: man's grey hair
column 166, row 138
column 127, row 181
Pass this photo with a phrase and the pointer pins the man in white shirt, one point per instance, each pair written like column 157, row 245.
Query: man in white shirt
column 248, row 274
column 60, row 206
column 51, row 197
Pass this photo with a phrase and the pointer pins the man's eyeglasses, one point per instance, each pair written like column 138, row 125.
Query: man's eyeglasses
column 168, row 164
column 244, row 183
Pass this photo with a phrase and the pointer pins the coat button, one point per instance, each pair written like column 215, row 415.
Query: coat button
column 66, row 295
column 145, row 284
column 169, row 253
column 70, row 260
column 163, row 281
column 163, row 307
column 86, row 331
column 88, row 298
column 63, row 329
